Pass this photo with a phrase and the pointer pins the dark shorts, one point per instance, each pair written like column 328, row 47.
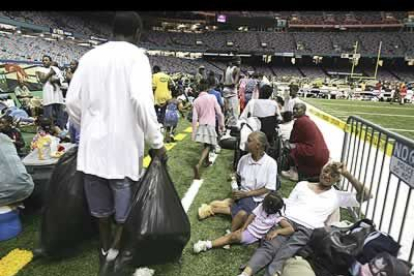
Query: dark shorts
column 246, row 204
column 109, row 196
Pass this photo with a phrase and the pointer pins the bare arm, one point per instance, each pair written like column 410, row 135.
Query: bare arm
column 363, row 193
column 44, row 78
column 242, row 194
column 248, row 221
column 285, row 229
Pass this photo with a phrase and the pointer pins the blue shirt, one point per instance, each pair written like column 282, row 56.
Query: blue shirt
column 217, row 95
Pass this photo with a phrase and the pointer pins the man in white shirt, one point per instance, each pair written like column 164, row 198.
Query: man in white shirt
column 262, row 107
column 230, row 95
column 110, row 97
column 257, row 174
column 53, row 103
column 308, row 207
column 293, row 98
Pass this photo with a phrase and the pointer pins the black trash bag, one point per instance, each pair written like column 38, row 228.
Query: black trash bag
column 333, row 252
column 228, row 142
column 66, row 220
column 157, row 228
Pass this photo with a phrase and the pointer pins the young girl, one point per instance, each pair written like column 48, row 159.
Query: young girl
column 264, row 217
column 205, row 109
column 171, row 118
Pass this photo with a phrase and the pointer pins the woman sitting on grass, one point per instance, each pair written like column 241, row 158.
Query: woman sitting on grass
column 262, row 219
column 257, row 173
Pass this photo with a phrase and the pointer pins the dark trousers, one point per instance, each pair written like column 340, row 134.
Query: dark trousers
column 160, row 110
column 274, row 253
column 55, row 113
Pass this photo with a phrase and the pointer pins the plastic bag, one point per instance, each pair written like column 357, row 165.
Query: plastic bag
column 66, row 220
column 333, row 252
column 157, row 228
column 228, row 142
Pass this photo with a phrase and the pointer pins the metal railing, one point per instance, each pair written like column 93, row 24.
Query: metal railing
column 368, row 151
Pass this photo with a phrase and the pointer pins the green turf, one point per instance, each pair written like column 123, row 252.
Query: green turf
column 395, row 117
column 216, row 185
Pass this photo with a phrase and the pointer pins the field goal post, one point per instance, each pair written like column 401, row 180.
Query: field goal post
column 356, row 56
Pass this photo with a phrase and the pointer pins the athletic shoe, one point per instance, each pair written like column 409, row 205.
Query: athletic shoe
column 205, row 211
column 200, row 246
column 290, row 174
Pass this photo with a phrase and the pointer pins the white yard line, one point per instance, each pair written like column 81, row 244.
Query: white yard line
column 192, row 192
column 401, row 129
column 367, row 106
column 374, row 114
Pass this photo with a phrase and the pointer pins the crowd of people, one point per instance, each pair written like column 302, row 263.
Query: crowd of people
column 115, row 98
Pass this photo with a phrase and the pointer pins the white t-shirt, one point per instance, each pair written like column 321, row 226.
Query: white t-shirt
column 257, row 175
column 263, row 222
column 261, row 108
column 52, row 94
column 307, row 208
column 285, row 130
column 290, row 103
column 110, row 97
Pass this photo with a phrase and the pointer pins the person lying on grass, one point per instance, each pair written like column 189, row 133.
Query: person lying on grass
column 257, row 172
column 308, row 207
column 263, row 218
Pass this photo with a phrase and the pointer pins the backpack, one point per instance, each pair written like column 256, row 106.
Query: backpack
column 171, row 115
column 333, row 252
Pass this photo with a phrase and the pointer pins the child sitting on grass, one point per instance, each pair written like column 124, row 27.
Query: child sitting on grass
column 264, row 217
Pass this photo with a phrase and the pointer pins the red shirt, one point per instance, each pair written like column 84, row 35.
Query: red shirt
column 311, row 152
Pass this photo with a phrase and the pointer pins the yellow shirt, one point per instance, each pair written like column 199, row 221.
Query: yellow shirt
column 160, row 83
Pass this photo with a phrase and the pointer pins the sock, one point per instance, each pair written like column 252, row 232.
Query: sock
column 112, row 254
column 209, row 245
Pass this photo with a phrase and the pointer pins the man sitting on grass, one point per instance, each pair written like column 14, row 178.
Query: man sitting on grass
column 308, row 150
column 15, row 183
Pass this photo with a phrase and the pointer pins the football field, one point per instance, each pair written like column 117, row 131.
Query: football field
column 394, row 117
column 216, row 185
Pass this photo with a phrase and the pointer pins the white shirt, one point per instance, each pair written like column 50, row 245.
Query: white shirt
column 290, row 103
column 261, row 108
column 228, row 77
column 52, row 95
column 250, row 124
column 307, row 208
column 285, row 130
column 111, row 98
column 256, row 175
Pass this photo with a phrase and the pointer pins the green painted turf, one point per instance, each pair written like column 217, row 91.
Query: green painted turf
column 391, row 116
column 216, row 185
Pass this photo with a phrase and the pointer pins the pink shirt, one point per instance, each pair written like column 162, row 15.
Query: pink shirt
column 263, row 222
column 205, row 108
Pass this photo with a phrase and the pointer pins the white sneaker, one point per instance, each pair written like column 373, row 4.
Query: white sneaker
column 112, row 254
column 145, row 271
column 200, row 246
column 290, row 174
column 217, row 149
